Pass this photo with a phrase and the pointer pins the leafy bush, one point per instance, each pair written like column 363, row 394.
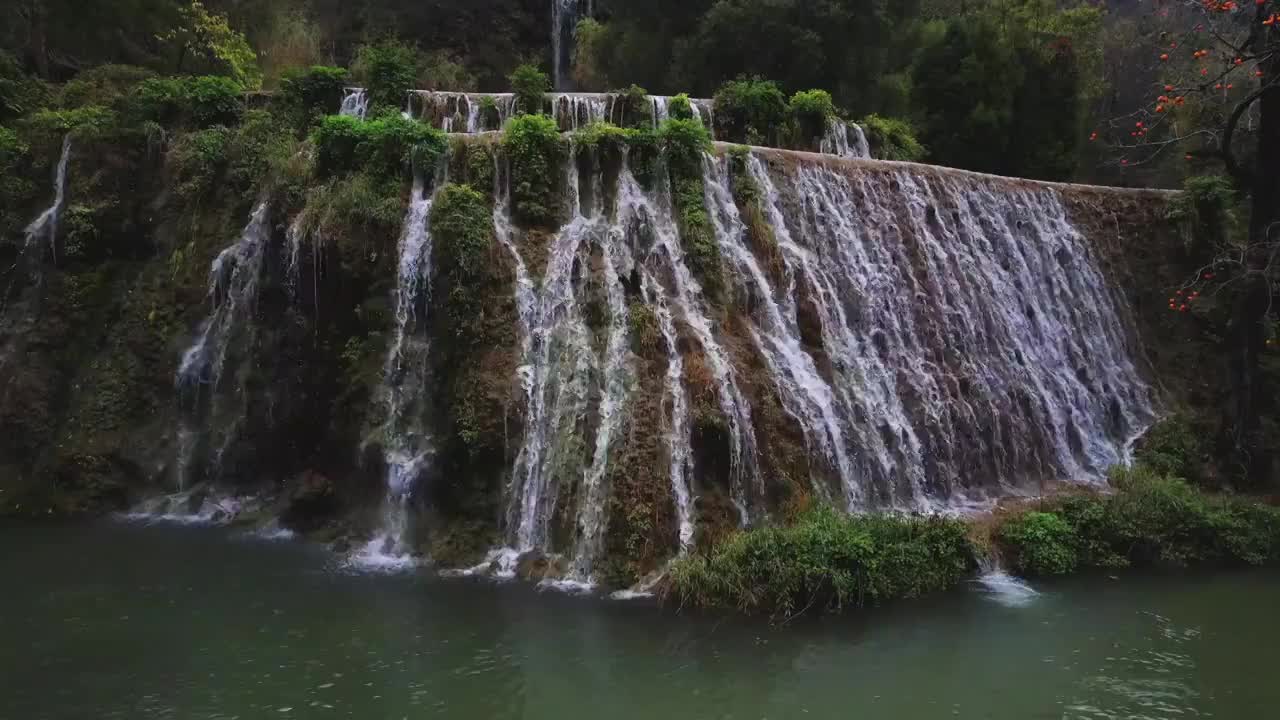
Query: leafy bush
column 685, row 141
column 810, row 110
column 750, row 110
column 307, row 94
column 385, row 146
column 1046, row 544
column 87, row 122
column 388, row 70
column 1151, row 520
column 697, row 236
column 1171, row 447
column 892, row 139
column 463, row 226
column 103, row 85
column 530, row 86
column 20, row 93
column 680, row 108
column 198, row 160
column 1206, row 210
column 188, row 101
column 15, row 187
column 827, row 560
column 532, row 144
column 637, row 110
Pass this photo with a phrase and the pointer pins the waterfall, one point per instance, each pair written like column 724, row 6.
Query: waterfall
column 45, row 226
column 835, row 141
column 564, row 20
column 355, row 103
column 233, row 292
column 407, row 445
column 619, row 379
column 679, row 448
column 973, row 343
column 574, row 110
column 555, row 370
column 688, row 299
column 776, row 333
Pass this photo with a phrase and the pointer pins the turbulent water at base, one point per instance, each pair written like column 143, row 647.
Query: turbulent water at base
column 406, row 442
column 233, row 291
column 45, row 226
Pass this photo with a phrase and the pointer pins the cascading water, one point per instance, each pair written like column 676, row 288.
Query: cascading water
column 973, row 344
column 355, row 103
column 679, row 446
column 564, row 20
column 45, row 226
column 407, row 445
column 804, row 392
column 688, row 299
column 233, row 290
column 835, row 141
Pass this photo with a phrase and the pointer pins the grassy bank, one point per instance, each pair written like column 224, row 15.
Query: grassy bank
column 827, row 561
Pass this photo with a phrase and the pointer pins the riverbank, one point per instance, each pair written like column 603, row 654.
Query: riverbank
column 827, row 561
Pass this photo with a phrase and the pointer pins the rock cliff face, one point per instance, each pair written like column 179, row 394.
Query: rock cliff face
column 577, row 371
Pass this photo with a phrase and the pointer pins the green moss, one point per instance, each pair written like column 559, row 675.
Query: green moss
column 480, row 167
column 534, row 151
column 827, row 560
column 697, row 236
column 747, row 195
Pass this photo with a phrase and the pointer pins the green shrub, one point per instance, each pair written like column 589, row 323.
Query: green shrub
column 827, row 560
column 103, row 85
column 530, row 86
column 697, row 236
column 308, row 94
column 1046, row 544
column 750, row 110
column 388, row 70
column 1171, row 447
column 20, row 93
column 90, row 121
column 198, row 160
column 386, row 146
column 810, row 110
column 188, row 101
column 892, row 139
column 1151, row 520
column 532, row 145
column 680, row 108
column 637, row 110
column 15, row 187
column 685, row 141
column 213, row 99
column 1206, row 210
column 463, row 227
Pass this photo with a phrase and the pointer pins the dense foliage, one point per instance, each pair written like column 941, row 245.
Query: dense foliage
column 386, row 146
column 827, row 560
column 532, row 144
column 1152, row 520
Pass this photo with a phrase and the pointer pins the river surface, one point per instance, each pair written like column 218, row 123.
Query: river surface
column 138, row 622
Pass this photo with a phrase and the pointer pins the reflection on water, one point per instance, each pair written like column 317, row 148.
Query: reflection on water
column 173, row 622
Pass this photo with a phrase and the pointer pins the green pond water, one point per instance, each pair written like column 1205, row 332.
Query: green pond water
column 126, row 621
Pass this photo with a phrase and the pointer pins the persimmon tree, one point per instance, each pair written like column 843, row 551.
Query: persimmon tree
column 1217, row 105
